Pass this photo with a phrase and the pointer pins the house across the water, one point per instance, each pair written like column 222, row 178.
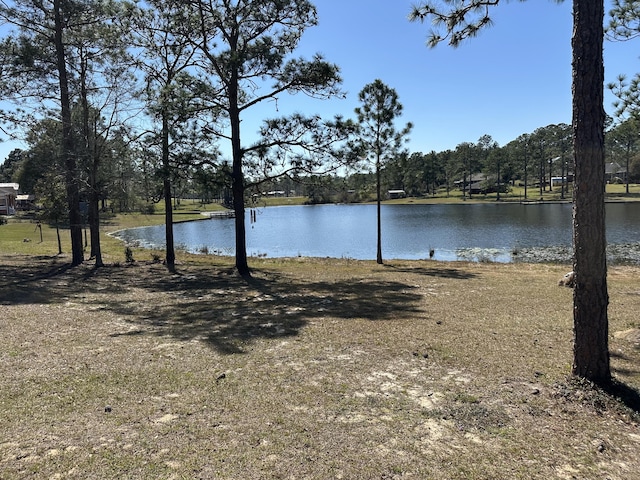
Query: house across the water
column 396, row 194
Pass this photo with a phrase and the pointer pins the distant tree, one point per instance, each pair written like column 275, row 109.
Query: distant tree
column 624, row 142
column 464, row 19
column 10, row 166
column 540, row 143
column 245, row 48
column 509, row 167
column 42, row 156
column 50, row 193
column 416, row 174
column 446, row 159
column 392, row 174
column 411, row 173
column 494, row 166
column 562, row 146
column 433, row 172
column 466, row 165
column 319, row 189
column 419, row 173
column 123, row 171
column 488, row 158
column 378, row 137
column 520, row 152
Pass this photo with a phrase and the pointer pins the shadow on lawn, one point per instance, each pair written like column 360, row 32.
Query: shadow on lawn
column 228, row 312
column 435, row 272
column 625, row 394
column 210, row 303
column 32, row 281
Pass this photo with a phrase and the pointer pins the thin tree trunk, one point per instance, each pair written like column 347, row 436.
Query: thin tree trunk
column 526, row 160
column 59, row 240
column 94, row 227
column 590, row 298
column 379, row 216
column 562, row 174
column 499, row 182
column 168, row 207
column 68, row 154
column 92, row 162
column 626, row 173
column 94, row 206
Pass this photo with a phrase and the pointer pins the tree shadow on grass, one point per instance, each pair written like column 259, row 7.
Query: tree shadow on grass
column 27, row 282
column 620, row 390
column 229, row 312
column 210, row 304
column 626, row 394
column 49, row 280
column 454, row 273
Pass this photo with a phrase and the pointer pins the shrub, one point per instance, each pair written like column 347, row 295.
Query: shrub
column 148, row 209
column 128, row 255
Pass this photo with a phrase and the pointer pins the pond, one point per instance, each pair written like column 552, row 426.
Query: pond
column 478, row 232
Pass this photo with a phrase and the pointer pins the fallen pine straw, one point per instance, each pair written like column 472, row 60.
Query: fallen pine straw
column 312, row 369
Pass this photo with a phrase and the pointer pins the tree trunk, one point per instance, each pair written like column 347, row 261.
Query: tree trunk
column 92, row 161
column 168, row 206
column 59, row 239
column 562, row 178
column 626, row 174
column 94, row 210
column 94, row 227
column 499, row 182
column 590, row 298
column 72, row 180
column 541, row 175
column 238, row 207
column 526, row 161
column 379, row 217
column 237, row 178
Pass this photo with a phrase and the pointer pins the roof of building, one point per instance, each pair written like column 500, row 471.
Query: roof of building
column 9, row 188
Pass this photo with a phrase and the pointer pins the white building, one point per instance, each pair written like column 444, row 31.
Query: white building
column 8, row 195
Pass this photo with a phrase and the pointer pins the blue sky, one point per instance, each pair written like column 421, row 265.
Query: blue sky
column 513, row 78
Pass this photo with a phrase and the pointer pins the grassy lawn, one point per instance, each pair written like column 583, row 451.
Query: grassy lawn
column 314, row 369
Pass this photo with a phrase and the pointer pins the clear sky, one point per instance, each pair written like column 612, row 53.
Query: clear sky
column 513, row 78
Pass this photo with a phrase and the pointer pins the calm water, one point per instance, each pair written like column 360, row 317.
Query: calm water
column 497, row 232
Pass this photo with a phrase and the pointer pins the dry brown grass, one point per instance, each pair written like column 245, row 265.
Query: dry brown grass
column 313, row 369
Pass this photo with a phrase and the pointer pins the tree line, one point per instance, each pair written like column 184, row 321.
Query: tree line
column 128, row 178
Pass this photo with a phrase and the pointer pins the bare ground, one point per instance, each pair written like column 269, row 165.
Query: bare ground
column 312, row 369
